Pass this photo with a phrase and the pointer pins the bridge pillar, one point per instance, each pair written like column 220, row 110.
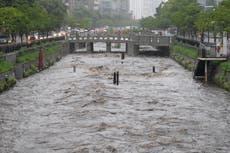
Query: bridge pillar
column 133, row 49
column 77, row 46
column 72, row 47
column 90, row 47
column 108, row 47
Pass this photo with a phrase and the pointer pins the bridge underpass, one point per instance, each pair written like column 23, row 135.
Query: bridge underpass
column 100, row 47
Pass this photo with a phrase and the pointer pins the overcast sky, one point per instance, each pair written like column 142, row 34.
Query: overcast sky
column 139, row 10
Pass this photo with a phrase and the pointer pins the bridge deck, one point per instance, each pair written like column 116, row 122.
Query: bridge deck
column 152, row 40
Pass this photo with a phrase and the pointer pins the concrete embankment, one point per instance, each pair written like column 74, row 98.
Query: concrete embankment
column 185, row 61
column 219, row 71
column 222, row 75
column 29, row 67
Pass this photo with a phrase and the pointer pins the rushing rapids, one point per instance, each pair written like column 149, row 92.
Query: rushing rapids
column 62, row 111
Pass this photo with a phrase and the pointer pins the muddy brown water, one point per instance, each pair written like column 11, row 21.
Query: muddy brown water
column 59, row 111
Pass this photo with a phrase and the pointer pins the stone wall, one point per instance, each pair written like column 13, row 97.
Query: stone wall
column 4, row 75
column 186, row 61
column 7, row 79
column 20, row 68
column 219, row 76
column 10, row 57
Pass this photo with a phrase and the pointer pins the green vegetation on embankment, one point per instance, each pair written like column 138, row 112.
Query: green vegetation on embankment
column 26, row 55
column 184, row 55
column 5, row 66
column 7, row 83
column 185, row 50
column 31, row 55
column 27, row 59
column 222, row 75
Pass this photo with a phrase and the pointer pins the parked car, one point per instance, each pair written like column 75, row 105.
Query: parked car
column 4, row 39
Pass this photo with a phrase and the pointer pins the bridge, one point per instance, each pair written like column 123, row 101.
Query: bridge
column 132, row 42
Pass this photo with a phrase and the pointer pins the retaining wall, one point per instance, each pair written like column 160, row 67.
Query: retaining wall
column 4, row 75
column 20, row 68
column 186, row 61
column 219, row 76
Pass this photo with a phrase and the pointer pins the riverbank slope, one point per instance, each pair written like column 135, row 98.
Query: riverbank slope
column 186, row 56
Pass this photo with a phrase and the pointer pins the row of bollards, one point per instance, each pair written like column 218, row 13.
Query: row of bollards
column 116, row 78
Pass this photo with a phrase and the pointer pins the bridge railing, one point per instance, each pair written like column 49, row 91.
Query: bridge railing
column 156, row 40
column 103, row 37
column 210, row 51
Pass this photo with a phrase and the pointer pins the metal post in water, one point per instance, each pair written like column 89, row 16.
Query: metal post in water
column 206, row 72
column 117, row 78
column 154, row 71
column 114, row 78
column 74, row 68
column 122, row 56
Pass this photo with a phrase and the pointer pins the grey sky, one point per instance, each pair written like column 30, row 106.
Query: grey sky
column 144, row 8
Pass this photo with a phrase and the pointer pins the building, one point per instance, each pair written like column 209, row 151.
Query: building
column 73, row 4
column 148, row 8
column 144, row 8
column 105, row 7
column 136, row 8
column 114, row 7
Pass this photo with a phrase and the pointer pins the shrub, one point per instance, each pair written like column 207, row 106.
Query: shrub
column 225, row 66
column 185, row 50
column 9, row 82
column 26, row 56
column 30, row 71
column 5, row 66
column 2, row 86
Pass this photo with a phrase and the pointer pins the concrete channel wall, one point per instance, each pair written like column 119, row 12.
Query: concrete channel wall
column 218, row 76
column 4, row 75
column 186, row 61
column 19, row 68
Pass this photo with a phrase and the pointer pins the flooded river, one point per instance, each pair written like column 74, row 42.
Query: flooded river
column 61, row 111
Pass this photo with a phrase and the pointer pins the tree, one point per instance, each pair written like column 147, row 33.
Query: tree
column 10, row 20
column 147, row 22
column 25, row 16
column 6, row 3
column 56, row 11
column 180, row 13
column 222, row 16
column 215, row 20
column 186, row 17
column 71, row 20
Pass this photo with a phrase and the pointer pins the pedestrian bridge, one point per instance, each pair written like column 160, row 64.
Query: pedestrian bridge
column 132, row 41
